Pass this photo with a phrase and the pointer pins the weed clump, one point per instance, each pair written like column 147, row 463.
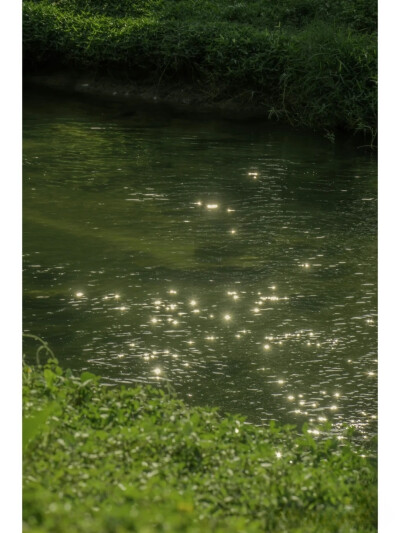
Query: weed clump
column 137, row 459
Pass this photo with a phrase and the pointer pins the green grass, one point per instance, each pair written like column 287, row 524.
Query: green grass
column 100, row 459
column 306, row 62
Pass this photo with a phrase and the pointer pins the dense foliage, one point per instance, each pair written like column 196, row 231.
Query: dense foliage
column 101, row 459
column 307, row 62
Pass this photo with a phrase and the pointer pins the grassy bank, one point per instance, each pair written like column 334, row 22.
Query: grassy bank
column 100, row 459
column 306, row 62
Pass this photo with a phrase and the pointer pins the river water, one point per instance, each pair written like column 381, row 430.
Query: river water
column 236, row 260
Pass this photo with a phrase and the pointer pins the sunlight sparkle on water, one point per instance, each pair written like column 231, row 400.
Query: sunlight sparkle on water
column 227, row 317
column 212, row 206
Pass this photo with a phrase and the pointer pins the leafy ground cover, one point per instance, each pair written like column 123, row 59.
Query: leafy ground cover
column 307, row 62
column 100, row 459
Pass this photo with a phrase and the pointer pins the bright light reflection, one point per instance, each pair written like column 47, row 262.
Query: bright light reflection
column 212, row 206
column 278, row 454
column 157, row 371
column 227, row 317
column 79, row 294
column 233, row 231
column 193, row 302
column 290, row 397
column 154, row 321
column 267, row 346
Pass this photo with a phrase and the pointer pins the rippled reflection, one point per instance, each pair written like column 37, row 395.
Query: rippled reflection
column 234, row 262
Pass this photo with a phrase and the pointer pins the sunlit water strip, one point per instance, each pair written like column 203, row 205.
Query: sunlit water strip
column 235, row 262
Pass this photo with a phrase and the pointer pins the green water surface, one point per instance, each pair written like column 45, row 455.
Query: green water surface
column 234, row 259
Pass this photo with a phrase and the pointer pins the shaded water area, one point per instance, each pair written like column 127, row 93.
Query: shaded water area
column 234, row 259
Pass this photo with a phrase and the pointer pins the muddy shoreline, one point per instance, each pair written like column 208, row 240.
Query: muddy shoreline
column 175, row 95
